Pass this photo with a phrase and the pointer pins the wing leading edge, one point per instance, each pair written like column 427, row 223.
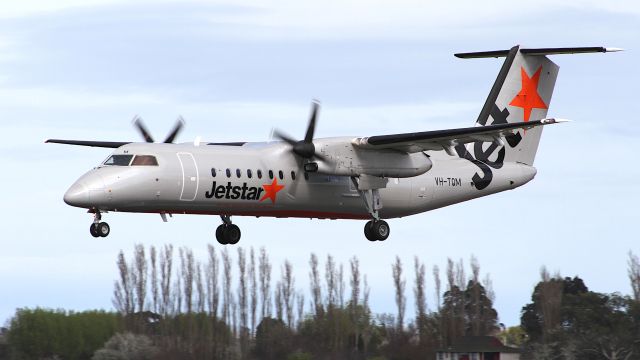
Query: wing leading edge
column 102, row 144
column 449, row 138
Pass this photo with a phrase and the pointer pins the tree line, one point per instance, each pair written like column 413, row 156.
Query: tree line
column 241, row 306
column 262, row 312
column 566, row 320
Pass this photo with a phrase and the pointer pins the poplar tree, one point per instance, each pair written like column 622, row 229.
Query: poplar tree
column 420, row 298
column 315, row 285
column 264, row 268
column 399, row 286
column 253, row 284
column 211, row 276
column 226, row 287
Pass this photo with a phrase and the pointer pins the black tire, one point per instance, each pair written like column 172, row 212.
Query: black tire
column 380, row 230
column 93, row 230
column 220, row 235
column 103, row 229
column 367, row 231
column 232, row 234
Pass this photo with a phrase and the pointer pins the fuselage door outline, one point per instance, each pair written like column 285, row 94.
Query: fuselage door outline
column 190, row 178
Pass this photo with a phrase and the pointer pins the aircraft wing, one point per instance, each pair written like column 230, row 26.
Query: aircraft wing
column 103, row 144
column 448, row 139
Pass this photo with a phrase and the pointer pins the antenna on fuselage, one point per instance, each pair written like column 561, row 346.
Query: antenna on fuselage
column 271, row 134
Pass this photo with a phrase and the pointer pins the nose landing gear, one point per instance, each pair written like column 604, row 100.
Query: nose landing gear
column 227, row 233
column 97, row 228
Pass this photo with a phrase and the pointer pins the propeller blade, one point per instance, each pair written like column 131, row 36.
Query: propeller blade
column 137, row 122
column 308, row 137
column 304, row 148
column 284, row 137
column 176, row 130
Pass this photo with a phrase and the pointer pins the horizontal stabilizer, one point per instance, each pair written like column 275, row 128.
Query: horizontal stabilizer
column 537, row 52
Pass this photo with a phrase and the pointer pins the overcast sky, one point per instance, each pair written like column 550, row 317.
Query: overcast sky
column 82, row 69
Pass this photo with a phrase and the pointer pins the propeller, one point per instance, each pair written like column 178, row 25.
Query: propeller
column 138, row 124
column 304, row 148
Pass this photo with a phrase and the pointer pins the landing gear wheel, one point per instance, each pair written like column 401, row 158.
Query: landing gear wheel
column 93, row 230
column 232, row 234
column 103, row 229
column 220, row 235
column 380, row 230
column 376, row 230
column 367, row 231
column 228, row 234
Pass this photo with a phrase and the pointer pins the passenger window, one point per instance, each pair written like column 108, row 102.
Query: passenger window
column 118, row 160
column 228, row 173
column 293, row 175
column 238, row 173
column 213, row 172
column 144, row 160
column 281, row 175
column 270, row 174
column 259, row 174
column 249, row 173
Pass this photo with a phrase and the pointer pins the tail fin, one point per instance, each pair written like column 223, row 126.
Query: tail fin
column 522, row 92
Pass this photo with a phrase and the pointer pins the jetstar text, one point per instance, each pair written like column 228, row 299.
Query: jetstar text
column 229, row 191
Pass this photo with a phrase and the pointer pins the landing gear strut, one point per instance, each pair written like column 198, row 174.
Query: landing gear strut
column 227, row 233
column 97, row 228
column 368, row 187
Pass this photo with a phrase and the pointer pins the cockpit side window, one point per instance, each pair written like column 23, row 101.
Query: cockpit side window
column 144, row 160
column 118, row 160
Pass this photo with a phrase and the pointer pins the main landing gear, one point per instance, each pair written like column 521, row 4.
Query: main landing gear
column 368, row 187
column 227, row 233
column 98, row 228
column 376, row 230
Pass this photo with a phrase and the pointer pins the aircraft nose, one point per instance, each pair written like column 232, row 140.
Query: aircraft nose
column 77, row 195
column 86, row 192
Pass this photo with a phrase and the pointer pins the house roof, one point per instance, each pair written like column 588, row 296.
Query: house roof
column 478, row 344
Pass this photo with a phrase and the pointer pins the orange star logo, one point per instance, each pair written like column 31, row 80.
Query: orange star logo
column 270, row 191
column 528, row 97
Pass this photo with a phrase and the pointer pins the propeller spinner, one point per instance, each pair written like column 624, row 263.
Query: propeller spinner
column 304, row 148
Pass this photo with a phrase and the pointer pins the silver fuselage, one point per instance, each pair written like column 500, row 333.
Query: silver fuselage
column 183, row 182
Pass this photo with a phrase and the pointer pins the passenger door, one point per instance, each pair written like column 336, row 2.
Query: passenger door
column 190, row 180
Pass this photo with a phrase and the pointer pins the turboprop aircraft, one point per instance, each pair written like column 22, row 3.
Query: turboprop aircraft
column 352, row 177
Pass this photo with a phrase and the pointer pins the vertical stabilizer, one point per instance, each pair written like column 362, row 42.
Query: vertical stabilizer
column 522, row 92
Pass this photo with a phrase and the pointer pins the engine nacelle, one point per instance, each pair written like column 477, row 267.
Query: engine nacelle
column 345, row 160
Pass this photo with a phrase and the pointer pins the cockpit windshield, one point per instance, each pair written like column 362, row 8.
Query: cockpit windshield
column 125, row 160
column 145, row 160
column 118, row 160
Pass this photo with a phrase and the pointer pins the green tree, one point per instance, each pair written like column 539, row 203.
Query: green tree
column 542, row 318
column 127, row 346
column 590, row 325
column 273, row 339
column 478, row 317
column 40, row 333
column 513, row 336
